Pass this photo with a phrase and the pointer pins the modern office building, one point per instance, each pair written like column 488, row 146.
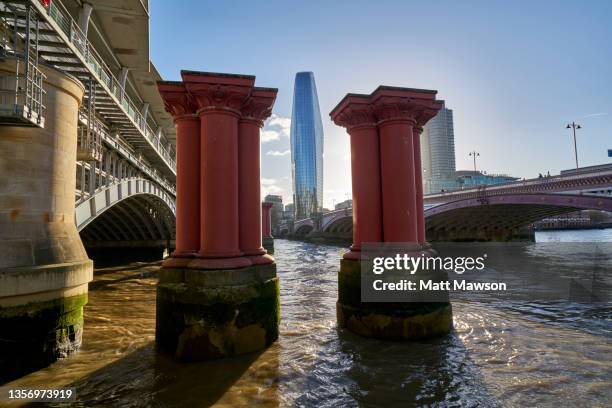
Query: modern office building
column 306, row 147
column 438, row 153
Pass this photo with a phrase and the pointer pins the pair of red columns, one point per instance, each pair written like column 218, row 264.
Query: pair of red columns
column 218, row 119
column 384, row 129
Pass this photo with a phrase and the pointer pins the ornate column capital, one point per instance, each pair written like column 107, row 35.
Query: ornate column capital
column 390, row 108
column 213, row 91
column 425, row 112
column 177, row 101
column 354, row 111
column 258, row 106
column 409, row 104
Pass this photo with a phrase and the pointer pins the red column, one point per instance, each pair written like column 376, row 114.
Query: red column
column 219, row 99
column 187, row 185
column 398, row 185
column 399, row 111
column 418, row 179
column 356, row 115
column 254, row 112
column 179, row 104
column 266, row 220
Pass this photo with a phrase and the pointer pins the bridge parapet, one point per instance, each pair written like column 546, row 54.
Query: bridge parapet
column 90, row 209
column 562, row 184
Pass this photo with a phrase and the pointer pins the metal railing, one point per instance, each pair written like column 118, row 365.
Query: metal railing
column 95, row 63
column 104, row 135
column 21, row 91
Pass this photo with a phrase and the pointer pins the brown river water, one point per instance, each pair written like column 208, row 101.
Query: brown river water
column 497, row 355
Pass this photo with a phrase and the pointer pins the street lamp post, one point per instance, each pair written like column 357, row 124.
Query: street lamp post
column 474, row 154
column 574, row 126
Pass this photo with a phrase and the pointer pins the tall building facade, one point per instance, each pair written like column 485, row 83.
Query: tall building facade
column 438, row 153
column 306, row 147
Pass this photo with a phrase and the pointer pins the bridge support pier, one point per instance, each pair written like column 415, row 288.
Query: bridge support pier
column 44, row 269
column 266, row 221
column 224, row 300
column 382, row 128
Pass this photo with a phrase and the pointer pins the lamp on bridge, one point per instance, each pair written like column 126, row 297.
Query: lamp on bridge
column 474, row 154
column 574, row 126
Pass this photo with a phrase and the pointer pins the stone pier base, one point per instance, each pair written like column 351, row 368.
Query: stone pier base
column 41, row 319
column 268, row 244
column 394, row 321
column 208, row 314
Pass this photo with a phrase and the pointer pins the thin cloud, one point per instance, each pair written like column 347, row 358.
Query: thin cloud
column 269, row 135
column 276, row 153
column 268, row 181
column 593, row 115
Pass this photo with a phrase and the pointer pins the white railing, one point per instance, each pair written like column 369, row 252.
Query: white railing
column 525, row 183
column 126, row 152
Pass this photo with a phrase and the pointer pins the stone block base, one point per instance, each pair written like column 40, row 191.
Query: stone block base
column 268, row 244
column 209, row 314
column 394, row 321
column 36, row 334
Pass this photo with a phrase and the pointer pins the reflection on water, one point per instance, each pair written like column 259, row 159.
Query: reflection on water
column 498, row 355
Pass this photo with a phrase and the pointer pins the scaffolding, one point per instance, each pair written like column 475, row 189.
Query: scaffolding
column 21, row 81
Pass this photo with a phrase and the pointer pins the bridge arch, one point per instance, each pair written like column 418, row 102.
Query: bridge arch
column 304, row 229
column 339, row 224
column 134, row 212
column 495, row 217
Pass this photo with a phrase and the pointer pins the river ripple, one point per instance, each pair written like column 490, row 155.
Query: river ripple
column 498, row 355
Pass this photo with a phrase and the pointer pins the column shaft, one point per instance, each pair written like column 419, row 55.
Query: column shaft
column 219, row 236
column 418, row 181
column 187, row 185
column 249, row 187
column 365, row 174
column 398, row 181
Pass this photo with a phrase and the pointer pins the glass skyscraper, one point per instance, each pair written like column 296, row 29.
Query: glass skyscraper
column 306, row 147
column 438, row 153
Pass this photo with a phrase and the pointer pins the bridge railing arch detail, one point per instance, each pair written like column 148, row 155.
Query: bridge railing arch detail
column 88, row 210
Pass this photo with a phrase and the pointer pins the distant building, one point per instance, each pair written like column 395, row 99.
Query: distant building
column 344, row 204
column 306, row 147
column 289, row 212
column 277, row 210
column 438, row 153
column 471, row 178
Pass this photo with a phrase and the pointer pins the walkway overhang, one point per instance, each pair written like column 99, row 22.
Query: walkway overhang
column 117, row 17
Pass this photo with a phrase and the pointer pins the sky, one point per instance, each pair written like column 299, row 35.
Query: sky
column 514, row 73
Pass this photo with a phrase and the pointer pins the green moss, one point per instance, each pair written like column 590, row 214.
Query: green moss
column 38, row 333
column 34, row 309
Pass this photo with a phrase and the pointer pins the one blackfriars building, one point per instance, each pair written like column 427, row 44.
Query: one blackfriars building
column 306, row 147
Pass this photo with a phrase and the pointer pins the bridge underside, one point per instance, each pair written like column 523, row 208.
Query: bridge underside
column 497, row 218
column 139, row 227
column 501, row 222
column 502, row 218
